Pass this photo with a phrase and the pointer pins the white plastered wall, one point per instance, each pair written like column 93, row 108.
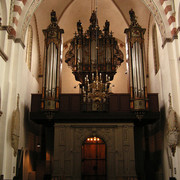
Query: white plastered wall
column 154, row 80
column 3, row 46
column 176, row 84
column 35, row 52
column 15, row 78
column 164, row 82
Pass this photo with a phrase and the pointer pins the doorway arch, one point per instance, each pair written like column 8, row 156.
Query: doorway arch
column 93, row 159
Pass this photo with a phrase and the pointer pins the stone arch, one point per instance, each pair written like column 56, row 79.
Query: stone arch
column 168, row 7
column 159, row 17
column 16, row 7
column 103, row 133
column 97, row 135
column 25, row 18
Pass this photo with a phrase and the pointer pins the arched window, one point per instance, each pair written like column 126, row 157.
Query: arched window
column 0, row 103
column 29, row 47
column 155, row 49
column 3, row 25
column 178, row 18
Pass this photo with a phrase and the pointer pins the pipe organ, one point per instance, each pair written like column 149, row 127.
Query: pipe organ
column 52, row 65
column 136, row 61
column 94, row 57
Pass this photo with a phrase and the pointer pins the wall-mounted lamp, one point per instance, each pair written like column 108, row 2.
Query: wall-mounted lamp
column 38, row 145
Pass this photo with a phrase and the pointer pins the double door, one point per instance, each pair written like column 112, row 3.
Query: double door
column 93, row 159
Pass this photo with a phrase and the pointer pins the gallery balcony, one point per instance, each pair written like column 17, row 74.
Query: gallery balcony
column 70, row 110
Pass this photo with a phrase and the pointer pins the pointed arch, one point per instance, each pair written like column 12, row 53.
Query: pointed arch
column 25, row 18
column 24, row 10
column 158, row 14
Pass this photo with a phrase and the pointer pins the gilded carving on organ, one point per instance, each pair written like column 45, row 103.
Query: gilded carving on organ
column 70, row 55
column 106, row 27
column 118, row 55
column 133, row 18
column 79, row 27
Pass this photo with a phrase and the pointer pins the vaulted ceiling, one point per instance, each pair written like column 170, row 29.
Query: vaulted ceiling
column 69, row 12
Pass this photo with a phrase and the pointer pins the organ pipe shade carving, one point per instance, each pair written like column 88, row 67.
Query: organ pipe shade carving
column 136, row 60
column 52, row 65
column 94, row 56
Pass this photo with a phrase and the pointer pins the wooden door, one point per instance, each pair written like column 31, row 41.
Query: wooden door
column 93, row 159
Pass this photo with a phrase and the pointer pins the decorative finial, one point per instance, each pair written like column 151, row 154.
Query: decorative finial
column 79, row 27
column 53, row 17
column 93, row 19
column 106, row 27
column 133, row 18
